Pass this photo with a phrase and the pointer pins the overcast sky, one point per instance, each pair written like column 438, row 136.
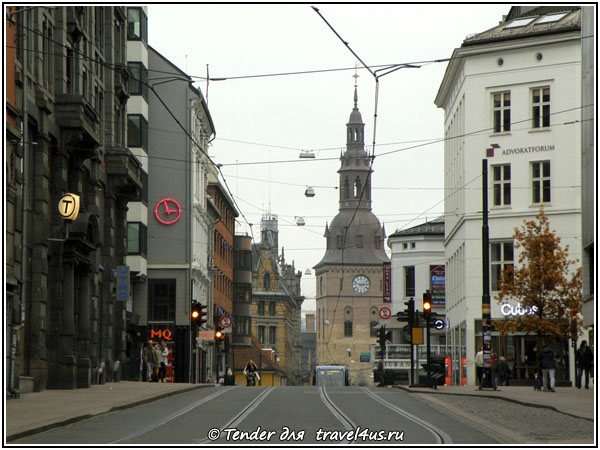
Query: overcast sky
column 269, row 119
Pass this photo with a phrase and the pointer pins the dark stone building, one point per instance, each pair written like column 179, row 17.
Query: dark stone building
column 70, row 98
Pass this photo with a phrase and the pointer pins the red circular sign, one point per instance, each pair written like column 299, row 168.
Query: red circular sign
column 385, row 312
column 164, row 214
column 225, row 322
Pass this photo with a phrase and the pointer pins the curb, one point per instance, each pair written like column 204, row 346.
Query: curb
column 520, row 402
column 62, row 423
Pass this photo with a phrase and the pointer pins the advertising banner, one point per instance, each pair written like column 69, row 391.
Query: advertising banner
column 437, row 287
column 387, row 282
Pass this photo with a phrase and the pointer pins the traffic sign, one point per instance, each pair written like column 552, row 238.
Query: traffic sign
column 225, row 321
column 385, row 312
column 439, row 324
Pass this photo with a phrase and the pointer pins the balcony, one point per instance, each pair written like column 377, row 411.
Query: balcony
column 80, row 124
column 124, row 171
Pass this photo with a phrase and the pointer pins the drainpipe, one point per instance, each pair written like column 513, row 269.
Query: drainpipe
column 24, row 230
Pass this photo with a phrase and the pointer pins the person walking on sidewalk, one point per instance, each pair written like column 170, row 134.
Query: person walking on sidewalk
column 584, row 359
column 502, row 372
column 155, row 362
column 164, row 354
column 548, row 363
column 147, row 362
column 479, row 366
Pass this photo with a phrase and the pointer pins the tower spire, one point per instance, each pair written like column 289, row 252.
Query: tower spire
column 355, row 76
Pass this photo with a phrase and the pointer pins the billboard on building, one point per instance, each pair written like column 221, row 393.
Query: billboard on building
column 437, row 286
column 387, row 282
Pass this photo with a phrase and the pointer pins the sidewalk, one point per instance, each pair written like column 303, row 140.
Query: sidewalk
column 568, row 400
column 40, row 411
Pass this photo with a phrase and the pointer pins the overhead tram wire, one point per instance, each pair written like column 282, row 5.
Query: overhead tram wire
column 151, row 87
column 372, row 158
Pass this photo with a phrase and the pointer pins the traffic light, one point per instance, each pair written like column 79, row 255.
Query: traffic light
column 427, row 305
column 410, row 309
column 197, row 314
column 382, row 338
column 219, row 335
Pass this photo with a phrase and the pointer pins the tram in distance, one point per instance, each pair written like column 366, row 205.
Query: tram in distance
column 331, row 376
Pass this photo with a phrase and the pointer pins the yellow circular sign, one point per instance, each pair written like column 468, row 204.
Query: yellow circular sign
column 68, row 206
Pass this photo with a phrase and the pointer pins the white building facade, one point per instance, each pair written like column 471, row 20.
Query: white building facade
column 511, row 95
column 418, row 265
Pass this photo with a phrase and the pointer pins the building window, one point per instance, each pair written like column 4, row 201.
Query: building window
column 347, row 328
column 377, row 242
column 501, row 112
column 99, row 25
column 374, row 327
column 137, row 238
column 321, row 291
column 161, row 300
column 357, row 187
column 137, row 131
column 346, row 189
column 339, row 240
column 501, row 181
column 261, row 334
column 501, row 258
column 405, row 245
column 540, row 107
column 359, row 240
column 409, row 281
column 242, row 327
column 271, row 308
column 137, row 25
column 138, row 80
column 540, row 181
column 272, row 335
column 261, row 308
column 267, row 281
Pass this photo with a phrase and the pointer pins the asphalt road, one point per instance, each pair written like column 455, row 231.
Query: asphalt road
column 281, row 415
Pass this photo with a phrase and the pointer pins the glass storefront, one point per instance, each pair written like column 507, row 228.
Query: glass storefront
column 520, row 351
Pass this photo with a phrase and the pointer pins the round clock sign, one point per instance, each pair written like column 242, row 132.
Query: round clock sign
column 167, row 211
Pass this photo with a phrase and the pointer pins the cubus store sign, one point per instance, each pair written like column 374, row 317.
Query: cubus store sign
column 159, row 332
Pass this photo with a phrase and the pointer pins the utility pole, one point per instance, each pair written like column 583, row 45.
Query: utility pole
column 485, row 298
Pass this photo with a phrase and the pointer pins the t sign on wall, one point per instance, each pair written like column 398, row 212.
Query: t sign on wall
column 167, row 211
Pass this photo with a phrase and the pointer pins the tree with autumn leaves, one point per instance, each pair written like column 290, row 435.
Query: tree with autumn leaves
column 544, row 283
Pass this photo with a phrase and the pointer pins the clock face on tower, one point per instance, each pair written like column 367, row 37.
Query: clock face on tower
column 360, row 284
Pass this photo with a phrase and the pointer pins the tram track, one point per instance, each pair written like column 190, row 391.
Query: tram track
column 441, row 436
column 173, row 416
column 239, row 417
column 344, row 419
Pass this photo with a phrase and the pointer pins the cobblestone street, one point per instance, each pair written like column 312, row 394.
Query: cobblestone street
column 531, row 423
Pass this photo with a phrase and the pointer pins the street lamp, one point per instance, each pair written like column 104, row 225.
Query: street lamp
column 260, row 362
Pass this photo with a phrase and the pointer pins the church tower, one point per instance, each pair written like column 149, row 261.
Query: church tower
column 350, row 274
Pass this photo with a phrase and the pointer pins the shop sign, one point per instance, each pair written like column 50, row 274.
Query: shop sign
column 123, row 283
column 161, row 333
column 509, row 310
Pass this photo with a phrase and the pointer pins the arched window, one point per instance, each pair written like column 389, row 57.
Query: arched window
column 357, row 187
column 267, row 281
column 346, row 189
column 348, row 321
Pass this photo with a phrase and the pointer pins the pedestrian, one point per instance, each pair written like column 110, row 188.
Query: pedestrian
column 502, row 372
column 147, row 361
column 479, row 366
column 548, row 364
column 164, row 355
column 584, row 359
column 155, row 362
